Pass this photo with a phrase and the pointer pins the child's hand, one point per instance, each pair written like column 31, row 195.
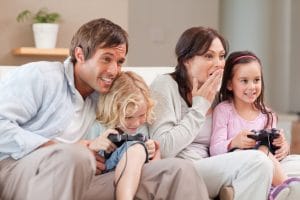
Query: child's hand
column 150, row 148
column 241, row 141
column 284, row 149
column 280, row 140
column 103, row 143
column 153, row 149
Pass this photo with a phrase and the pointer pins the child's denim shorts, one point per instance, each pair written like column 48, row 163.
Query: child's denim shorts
column 116, row 156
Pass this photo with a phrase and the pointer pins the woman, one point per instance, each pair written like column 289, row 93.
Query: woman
column 183, row 118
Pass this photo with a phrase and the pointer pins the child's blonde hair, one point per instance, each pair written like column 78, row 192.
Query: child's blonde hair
column 128, row 92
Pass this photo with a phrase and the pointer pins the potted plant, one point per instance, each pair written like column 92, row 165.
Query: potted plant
column 45, row 26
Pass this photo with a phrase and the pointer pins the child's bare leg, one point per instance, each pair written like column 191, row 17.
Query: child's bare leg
column 128, row 183
column 278, row 176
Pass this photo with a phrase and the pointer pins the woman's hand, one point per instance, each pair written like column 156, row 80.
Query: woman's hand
column 241, row 141
column 103, row 143
column 284, row 147
column 210, row 87
column 153, row 149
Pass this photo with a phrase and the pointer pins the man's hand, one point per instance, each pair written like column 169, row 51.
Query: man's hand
column 103, row 143
column 100, row 161
column 100, row 164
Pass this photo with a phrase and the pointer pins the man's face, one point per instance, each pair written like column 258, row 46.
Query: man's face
column 98, row 72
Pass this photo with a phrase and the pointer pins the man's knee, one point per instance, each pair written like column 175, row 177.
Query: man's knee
column 73, row 155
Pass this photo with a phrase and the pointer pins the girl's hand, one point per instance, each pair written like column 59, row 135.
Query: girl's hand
column 150, row 148
column 280, row 140
column 210, row 87
column 241, row 141
column 103, row 143
column 153, row 149
column 284, row 147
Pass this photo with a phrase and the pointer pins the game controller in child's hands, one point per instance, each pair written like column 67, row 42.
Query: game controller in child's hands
column 264, row 134
column 119, row 139
column 266, row 137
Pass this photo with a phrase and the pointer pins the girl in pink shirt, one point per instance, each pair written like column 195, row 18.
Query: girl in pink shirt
column 242, row 110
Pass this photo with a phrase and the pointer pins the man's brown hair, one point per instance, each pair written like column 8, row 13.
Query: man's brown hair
column 98, row 33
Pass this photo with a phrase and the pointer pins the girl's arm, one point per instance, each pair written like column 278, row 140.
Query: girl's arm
column 219, row 142
column 223, row 138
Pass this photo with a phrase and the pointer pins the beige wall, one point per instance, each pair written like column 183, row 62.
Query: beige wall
column 74, row 13
column 155, row 26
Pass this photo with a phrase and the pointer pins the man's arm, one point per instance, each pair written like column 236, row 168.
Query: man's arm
column 19, row 104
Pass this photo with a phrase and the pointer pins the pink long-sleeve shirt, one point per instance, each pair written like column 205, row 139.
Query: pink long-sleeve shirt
column 227, row 123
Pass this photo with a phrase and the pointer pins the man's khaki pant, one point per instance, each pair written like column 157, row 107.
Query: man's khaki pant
column 54, row 172
column 66, row 172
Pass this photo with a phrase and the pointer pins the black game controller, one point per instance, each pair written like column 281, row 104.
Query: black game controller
column 119, row 139
column 266, row 137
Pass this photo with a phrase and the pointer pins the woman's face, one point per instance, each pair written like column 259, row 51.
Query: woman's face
column 201, row 67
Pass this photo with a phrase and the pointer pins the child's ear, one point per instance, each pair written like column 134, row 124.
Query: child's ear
column 229, row 85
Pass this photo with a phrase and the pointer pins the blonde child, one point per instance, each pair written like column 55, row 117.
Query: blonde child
column 242, row 109
column 126, row 108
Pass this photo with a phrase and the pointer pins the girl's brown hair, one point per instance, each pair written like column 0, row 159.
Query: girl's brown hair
column 243, row 57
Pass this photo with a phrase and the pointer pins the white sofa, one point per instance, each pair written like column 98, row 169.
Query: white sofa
column 150, row 72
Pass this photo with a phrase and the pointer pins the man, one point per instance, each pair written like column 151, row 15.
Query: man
column 47, row 107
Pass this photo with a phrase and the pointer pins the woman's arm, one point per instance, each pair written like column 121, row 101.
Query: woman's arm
column 173, row 129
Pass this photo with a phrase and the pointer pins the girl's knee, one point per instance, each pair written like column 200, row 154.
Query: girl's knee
column 137, row 150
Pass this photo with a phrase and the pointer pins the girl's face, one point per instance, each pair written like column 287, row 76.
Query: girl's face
column 135, row 117
column 201, row 67
column 246, row 82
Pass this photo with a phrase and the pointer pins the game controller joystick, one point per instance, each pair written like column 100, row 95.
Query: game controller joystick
column 119, row 139
column 266, row 137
